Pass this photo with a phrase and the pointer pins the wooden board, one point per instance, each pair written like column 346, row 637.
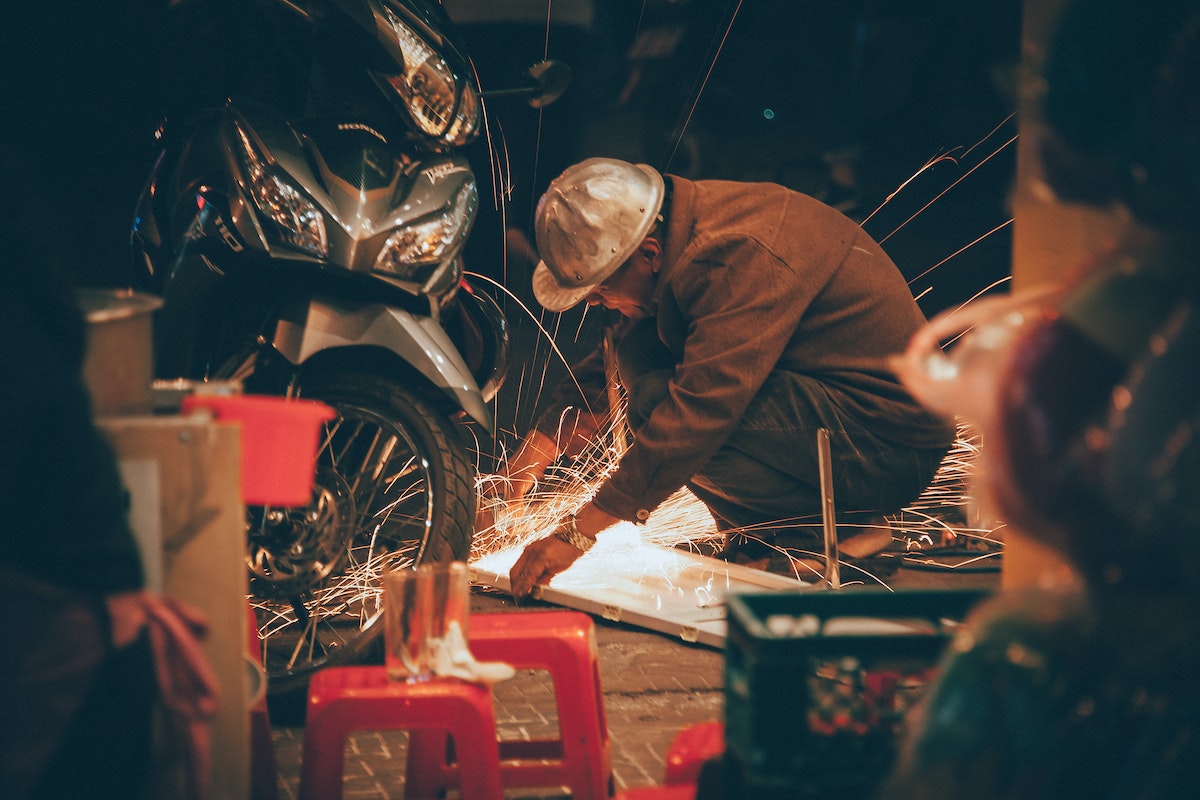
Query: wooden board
column 183, row 475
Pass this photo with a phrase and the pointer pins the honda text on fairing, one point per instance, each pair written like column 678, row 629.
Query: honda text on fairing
column 319, row 256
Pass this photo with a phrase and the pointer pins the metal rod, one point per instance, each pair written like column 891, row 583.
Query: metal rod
column 828, row 518
column 515, row 91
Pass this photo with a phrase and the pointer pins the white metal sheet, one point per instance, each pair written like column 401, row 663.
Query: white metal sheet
column 625, row 579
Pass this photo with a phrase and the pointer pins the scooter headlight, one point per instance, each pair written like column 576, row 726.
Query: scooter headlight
column 296, row 219
column 442, row 105
column 425, row 252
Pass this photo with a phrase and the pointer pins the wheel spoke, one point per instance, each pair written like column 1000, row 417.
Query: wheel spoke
column 380, row 463
column 308, row 635
column 408, row 469
column 317, row 572
column 347, row 438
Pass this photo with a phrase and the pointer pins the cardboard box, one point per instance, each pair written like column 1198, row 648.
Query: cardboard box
column 183, row 475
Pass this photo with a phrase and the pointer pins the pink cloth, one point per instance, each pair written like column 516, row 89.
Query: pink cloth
column 187, row 686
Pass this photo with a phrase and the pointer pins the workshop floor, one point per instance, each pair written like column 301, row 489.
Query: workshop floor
column 654, row 686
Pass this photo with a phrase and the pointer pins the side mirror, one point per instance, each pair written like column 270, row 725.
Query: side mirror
column 303, row 9
column 542, row 84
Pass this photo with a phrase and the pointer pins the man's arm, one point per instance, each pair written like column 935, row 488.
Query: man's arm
column 739, row 308
column 566, row 427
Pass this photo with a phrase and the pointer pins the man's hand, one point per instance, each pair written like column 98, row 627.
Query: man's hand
column 545, row 558
column 540, row 562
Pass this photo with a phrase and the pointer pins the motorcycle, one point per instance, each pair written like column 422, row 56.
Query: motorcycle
column 318, row 256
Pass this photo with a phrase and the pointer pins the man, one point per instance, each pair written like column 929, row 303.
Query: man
column 753, row 317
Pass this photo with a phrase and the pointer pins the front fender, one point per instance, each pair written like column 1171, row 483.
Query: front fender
column 419, row 340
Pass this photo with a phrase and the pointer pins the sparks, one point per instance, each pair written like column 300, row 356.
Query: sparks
column 934, row 520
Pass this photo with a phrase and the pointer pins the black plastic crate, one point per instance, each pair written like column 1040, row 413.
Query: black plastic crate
column 817, row 684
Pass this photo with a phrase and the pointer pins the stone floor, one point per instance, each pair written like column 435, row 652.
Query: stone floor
column 653, row 685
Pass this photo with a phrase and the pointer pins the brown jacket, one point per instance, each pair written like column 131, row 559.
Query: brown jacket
column 756, row 278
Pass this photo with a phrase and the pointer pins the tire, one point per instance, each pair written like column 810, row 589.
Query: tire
column 394, row 487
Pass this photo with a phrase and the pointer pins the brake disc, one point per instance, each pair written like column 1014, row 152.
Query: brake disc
column 292, row 550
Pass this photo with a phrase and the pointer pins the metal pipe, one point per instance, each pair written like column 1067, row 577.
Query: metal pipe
column 828, row 517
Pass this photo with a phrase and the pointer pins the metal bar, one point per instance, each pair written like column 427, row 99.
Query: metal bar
column 828, row 517
column 631, row 596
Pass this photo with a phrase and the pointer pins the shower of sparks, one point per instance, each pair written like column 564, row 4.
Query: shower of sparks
column 356, row 587
column 963, row 249
column 937, row 519
column 928, row 165
column 944, row 517
column 937, row 197
column 677, row 137
column 548, row 336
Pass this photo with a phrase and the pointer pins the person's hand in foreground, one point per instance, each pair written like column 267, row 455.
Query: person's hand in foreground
column 547, row 557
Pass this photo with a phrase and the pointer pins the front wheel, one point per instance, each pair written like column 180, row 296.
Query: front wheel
column 394, row 487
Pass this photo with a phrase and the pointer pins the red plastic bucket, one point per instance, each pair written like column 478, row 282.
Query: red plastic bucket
column 280, row 440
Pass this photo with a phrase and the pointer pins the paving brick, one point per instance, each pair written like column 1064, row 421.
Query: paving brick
column 654, row 686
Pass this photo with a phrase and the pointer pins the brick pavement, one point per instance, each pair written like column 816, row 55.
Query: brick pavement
column 654, row 686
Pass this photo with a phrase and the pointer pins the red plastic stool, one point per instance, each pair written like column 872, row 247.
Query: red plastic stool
column 564, row 644
column 345, row 699
column 690, row 748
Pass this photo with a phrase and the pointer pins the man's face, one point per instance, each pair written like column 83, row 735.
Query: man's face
column 630, row 290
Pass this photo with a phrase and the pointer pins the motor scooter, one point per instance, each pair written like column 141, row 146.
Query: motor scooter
column 319, row 256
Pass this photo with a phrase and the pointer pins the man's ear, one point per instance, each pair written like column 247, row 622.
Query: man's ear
column 651, row 250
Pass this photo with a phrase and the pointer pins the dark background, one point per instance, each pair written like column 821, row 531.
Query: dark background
column 760, row 90
column 764, row 91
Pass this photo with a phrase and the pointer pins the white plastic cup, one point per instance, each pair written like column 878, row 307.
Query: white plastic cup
column 407, row 619
column 451, row 597
column 421, row 607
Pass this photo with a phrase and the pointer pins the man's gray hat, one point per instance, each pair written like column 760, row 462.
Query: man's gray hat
column 589, row 221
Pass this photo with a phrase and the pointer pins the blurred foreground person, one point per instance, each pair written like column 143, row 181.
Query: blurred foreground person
column 97, row 671
column 77, row 704
column 88, row 652
column 1090, row 419
column 751, row 317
